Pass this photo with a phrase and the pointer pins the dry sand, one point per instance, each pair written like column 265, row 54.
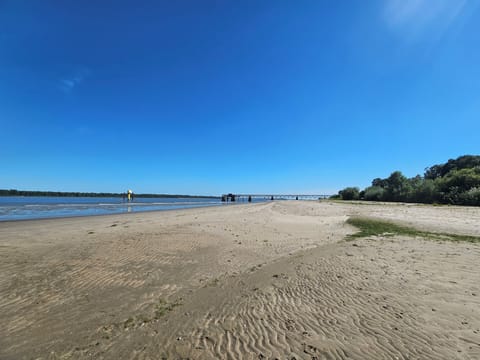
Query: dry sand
column 262, row 281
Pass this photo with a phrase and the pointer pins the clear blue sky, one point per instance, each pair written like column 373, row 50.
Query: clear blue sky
column 207, row 97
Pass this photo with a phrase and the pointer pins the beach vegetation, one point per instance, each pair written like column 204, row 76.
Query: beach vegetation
column 374, row 193
column 350, row 193
column 369, row 227
column 457, row 182
column 162, row 307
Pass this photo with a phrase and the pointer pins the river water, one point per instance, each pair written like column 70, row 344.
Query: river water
column 33, row 207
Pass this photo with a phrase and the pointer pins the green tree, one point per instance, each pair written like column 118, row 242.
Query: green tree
column 462, row 162
column 379, row 182
column 471, row 197
column 397, row 188
column 374, row 193
column 350, row 193
column 425, row 192
column 457, row 182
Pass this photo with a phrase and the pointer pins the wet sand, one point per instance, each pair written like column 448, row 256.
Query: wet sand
column 263, row 281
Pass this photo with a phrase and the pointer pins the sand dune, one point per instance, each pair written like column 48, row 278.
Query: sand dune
column 264, row 281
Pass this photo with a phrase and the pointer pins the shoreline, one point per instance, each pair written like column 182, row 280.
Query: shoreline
column 112, row 214
column 274, row 279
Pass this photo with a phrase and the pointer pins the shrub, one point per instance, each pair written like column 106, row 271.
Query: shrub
column 471, row 197
column 374, row 193
column 350, row 193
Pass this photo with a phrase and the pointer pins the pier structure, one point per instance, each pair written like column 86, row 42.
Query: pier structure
column 252, row 197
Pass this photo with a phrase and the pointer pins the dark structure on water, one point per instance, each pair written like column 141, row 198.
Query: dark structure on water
column 228, row 197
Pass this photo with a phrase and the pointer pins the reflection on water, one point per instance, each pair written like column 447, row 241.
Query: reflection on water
column 19, row 208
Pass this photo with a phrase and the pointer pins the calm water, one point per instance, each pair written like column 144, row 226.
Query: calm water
column 32, row 207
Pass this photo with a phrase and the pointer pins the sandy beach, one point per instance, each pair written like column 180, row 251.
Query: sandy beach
column 273, row 280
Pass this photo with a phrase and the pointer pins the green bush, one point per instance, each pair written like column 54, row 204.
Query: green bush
column 455, row 182
column 374, row 193
column 350, row 193
column 471, row 197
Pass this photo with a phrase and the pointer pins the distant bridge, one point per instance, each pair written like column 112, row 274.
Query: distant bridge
column 252, row 197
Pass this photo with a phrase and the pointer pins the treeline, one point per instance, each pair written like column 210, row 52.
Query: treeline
column 456, row 182
column 13, row 192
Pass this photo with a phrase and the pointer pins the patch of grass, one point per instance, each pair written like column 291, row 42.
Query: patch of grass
column 455, row 237
column 374, row 227
column 162, row 307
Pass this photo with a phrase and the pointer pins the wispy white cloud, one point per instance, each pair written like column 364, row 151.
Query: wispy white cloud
column 68, row 83
column 414, row 19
